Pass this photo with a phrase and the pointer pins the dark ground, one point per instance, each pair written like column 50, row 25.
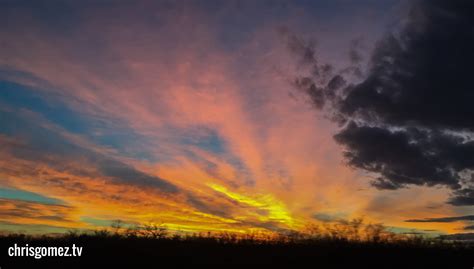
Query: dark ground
column 118, row 252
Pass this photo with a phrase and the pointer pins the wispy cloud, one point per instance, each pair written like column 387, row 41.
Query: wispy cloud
column 445, row 219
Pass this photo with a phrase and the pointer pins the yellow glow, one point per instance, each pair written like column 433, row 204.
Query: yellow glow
column 276, row 211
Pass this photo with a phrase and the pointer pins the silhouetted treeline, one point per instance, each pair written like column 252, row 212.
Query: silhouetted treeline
column 344, row 244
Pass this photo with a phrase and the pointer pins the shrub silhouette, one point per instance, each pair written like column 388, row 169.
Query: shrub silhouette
column 351, row 243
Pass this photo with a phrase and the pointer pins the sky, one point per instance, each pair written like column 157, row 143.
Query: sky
column 235, row 116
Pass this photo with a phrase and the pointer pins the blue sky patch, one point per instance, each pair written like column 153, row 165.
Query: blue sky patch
column 15, row 194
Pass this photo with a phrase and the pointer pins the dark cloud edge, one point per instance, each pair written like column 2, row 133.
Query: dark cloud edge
column 409, row 119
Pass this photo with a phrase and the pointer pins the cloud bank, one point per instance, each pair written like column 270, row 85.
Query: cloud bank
column 409, row 119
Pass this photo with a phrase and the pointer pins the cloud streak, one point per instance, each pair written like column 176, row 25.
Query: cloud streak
column 445, row 219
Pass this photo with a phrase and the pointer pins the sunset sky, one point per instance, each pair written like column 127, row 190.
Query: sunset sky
column 200, row 115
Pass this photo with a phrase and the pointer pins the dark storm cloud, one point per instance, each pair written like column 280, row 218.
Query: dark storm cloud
column 408, row 156
column 446, row 219
column 411, row 119
column 463, row 197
